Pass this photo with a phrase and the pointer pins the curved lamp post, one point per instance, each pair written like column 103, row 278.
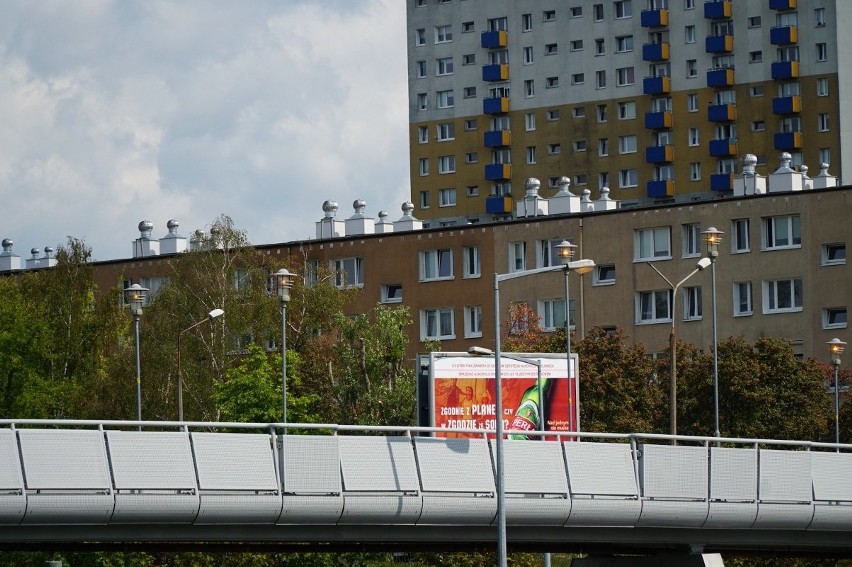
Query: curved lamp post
column 134, row 296
column 702, row 264
column 712, row 237
column 210, row 316
column 283, row 281
column 835, row 349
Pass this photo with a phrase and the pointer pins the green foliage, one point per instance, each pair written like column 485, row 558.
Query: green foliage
column 251, row 391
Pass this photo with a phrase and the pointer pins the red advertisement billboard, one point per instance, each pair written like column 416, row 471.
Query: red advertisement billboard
column 462, row 393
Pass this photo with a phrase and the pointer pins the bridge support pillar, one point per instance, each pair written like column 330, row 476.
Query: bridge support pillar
column 684, row 560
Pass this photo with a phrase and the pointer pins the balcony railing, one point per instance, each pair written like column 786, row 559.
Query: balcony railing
column 654, row 18
column 721, row 112
column 494, row 39
column 495, row 105
column 784, row 35
column 498, row 72
column 721, row 181
column 659, row 154
column 719, row 43
column 723, row 147
column 655, row 51
column 658, row 120
column 785, row 69
column 788, row 140
column 717, row 10
column 782, row 4
column 661, row 188
column 656, row 85
column 787, row 105
column 498, row 171
column 498, row 138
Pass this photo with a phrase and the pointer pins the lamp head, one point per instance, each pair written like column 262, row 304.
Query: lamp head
column 566, row 251
column 134, row 296
column 215, row 313
column 713, row 236
column 835, row 349
column 283, row 280
column 703, row 263
column 480, row 351
column 581, row 267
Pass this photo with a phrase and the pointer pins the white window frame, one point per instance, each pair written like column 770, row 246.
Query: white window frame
column 437, row 317
column 436, row 265
column 740, row 236
column 627, row 110
column 604, row 274
column 782, row 292
column 691, row 240
column 628, row 178
column 652, row 243
column 447, row 197
column 472, row 321
column 692, row 102
column 692, row 303
column 830, row 313
column 551, row 313
column 391, row 293
column 443, row 34
column 743, row 299
column 445, row 131
column 624, row 44
column 422, row 134
column 446, row 164
column 627, row 144
column 649, row 300
column 828, row 258
column 791, row 226
column 545, row 252
column 443, row 66
column 349, row 272
column 471, row 262
column 445, row 99
column 517, row 256
column 622, row 9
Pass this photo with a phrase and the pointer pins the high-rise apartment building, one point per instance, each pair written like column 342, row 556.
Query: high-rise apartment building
column 655, row 99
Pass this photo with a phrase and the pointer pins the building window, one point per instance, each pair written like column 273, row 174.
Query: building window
column 653, row 307
column 446, row 197
column 549, row 15
column 578, row 78
column 782, row 296
column 469, row 92
column 553, row 114
column 546, row 254
column 576, row 45
column 822, row 52
column 758, row 126
column 472, row 190
column 445, row 99
column 833, row 254
column 691, row 240
column 626, row 110
column 529, row 88
column 755, row 56
column 623, row 43
column 552, row 314
column 424, row 166
column 421, row 69
column 695, row 171
column 472, row 321
column 391, row 293
column 470, row 262
column 444, row 66
column 437, row 324
column 526, row 22
column 553, row 149
column 825, row 155
column 602, row 113
column 689, row 34
column 627, row 144
column 756, row 90
column 694, row 137
column 551, row 82
column 754, row 22
column 782, row 232
column 531, row 158
column 834, row 318
column 445, row 131
column 420, row 37
column 580, row 145
column 822, row 86
column 740, row 238
column 819, row 17
column 623, row 9
column 528, row 55
column 691, row 303
column 423, row 134
column 692, row 102
column 443, row 34
column 575, row 12
column 446, row 164
column 598, row 12
column 471, row 157
column 600, row 46
column 436, row 265
column 529, row 121
column 469, row 59
column 628, row 178
column 349, row 272
column 742, row 299
column 688, row 4
column 468, row 27
column 822, row 122
column 603, row 179
column 422, row 101
column 603, row 147
column 470, row 124
column 517, row 256
column 424, row 199
column 691, row 68
column 604, row 274
column 652, row 244
column 600, row 79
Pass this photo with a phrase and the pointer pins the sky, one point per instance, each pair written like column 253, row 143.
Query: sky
column 118, row 111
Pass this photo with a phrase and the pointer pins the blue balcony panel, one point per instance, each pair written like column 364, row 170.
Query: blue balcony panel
column 656, row 85
column 723, row 148
column 721, row 112
column 498, row 205
column 494, row 39
column 717, row 10
column 723, row 77
column 782, row 4
column 721, row 181
column 661, row 188
column 788, row 140
column 657, row 120
column 785, row 69
column 654, row 18
column 785, row 35
column 499, row 72
column 495, row 105
column 719, row 44
column 659, row 154
column 787, row 105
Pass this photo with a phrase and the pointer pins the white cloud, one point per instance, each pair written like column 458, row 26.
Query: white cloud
column 259, row 109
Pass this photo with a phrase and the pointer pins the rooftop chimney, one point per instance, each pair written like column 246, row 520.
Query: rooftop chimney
column 384, row 226
column 823, row 179
column 785, row 178
column 407, row 220
column 749, row 183
column 532, row 205
column 564, row 201
column 9, row 260
column 330, row 227
column 144, row 246
column 172, row 243
column 359, row 223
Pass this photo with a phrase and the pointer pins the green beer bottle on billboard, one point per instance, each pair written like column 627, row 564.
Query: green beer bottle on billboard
column 528, row 416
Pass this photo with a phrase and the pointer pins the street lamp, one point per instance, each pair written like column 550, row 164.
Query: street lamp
column 210, row 316
column 134, row 296
column 283, row 282
column 835, row 349
column 702, row 264
column 565, row 250
column 713, row 237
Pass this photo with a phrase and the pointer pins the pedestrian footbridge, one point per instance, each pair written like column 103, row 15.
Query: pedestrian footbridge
column 97, row 484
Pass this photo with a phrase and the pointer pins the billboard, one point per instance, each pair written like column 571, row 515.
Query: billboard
column 461, row 393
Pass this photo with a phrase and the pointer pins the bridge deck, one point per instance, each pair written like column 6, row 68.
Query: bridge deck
column 181, row 484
